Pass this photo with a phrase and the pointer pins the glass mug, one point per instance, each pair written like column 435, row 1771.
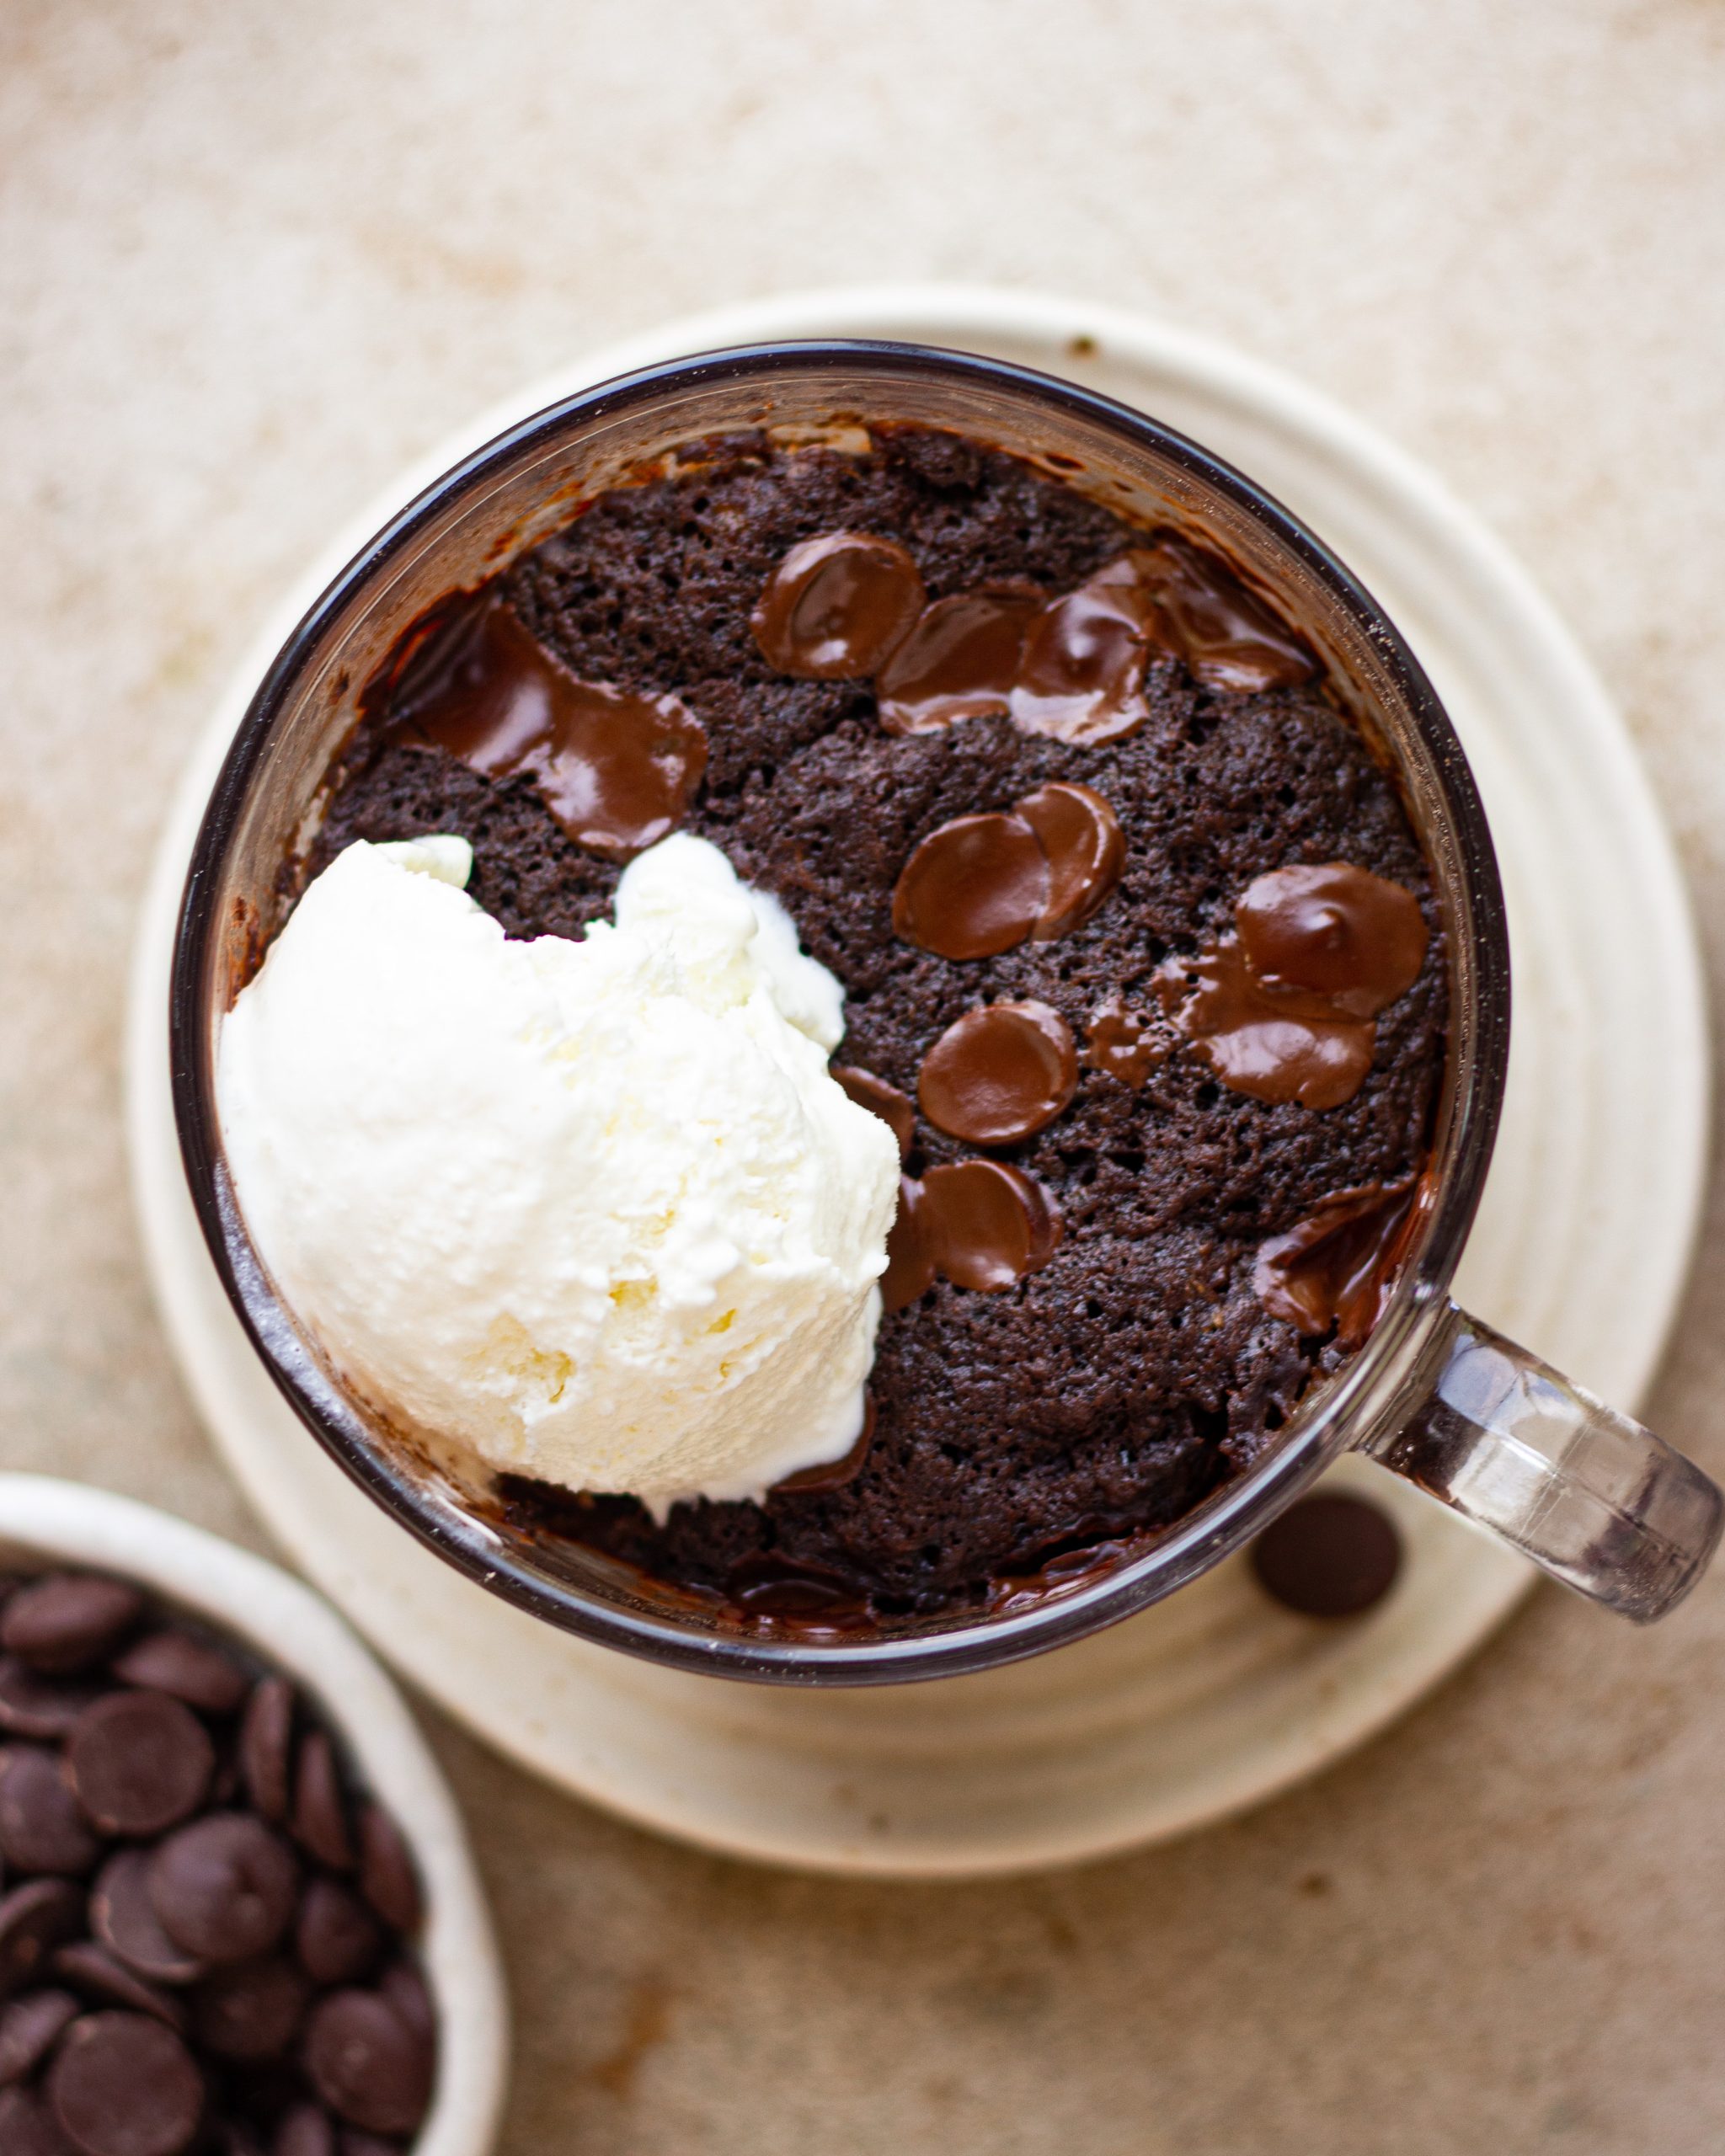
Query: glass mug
column 1480, row 1425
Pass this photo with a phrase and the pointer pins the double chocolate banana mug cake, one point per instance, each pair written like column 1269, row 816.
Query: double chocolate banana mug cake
column 856, row 1030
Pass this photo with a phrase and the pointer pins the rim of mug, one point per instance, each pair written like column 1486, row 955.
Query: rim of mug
column 1365, row 1394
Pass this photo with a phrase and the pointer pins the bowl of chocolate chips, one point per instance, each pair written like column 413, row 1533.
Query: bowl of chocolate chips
column 236, row 1911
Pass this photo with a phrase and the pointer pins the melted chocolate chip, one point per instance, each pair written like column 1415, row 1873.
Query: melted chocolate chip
column 960, row 661
column 834, row 1473
column 910, row 1257
column 366, row 2064
column 68, row 1621
column 895, row 1109
column 123, row 2085
column 140, row 1762
column 1123, row 1042
column 973, row 887
column 1081, row 678
column 617, row 770
column 987, row 1224
column 1229, row 637
column 837, row 607
column 1335, row 1269
column 1328, row 1556
column 1355, row 938
column 1275, row 1044
column 1082, row 836
column 999, row 1074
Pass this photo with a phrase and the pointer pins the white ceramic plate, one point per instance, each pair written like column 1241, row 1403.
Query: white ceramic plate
column 1215, row 1699
column 43, row 1521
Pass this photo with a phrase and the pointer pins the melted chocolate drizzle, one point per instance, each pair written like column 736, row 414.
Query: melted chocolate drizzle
column 1333, row 1273
column 618, row 771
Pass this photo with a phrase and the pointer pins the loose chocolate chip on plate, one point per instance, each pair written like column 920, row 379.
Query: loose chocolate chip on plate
column 252, row 2010
column 337, row 1937
column 29, row 2029
column 266, row 1747
column 139, row 1762
column 366, row 2064
column 43, row 1707
column 308, row 2130
column 186, row 1669
column 27, row 2127
column 225, row 1886
column 320, row 1821
column 387, row 1878
column 95, row 1973
column 123, row 2085
column 1329, row 1555
column 34, row 1918
column 124, row 1919
column 41, row 1827
column 69, row 1621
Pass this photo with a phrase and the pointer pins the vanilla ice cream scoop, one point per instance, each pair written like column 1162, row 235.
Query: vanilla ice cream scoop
column 595, row 1209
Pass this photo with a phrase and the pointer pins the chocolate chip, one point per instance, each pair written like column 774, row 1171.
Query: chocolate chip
column 404, row 1987
column 1000, row 1073
column 252, row 2010
column 124, row 1919
column 68, row 1621
column 305, row 2131
column 29, row 2029
column 186, row 1669
column 266, row 1747
column 27, row 2126
column 387, row 1878
column 337, row 1937
column 224, row 1887
column 366, row 2064
column 837, row 605
column 140, row 1762
column 36, row 1918
column 356, row 2143
column 1328, row 1556
column 94, row 1972
column 41, row 1827
column 42, row 1707
column 896, row 1110
column 319, row 1806
column 123, row 2085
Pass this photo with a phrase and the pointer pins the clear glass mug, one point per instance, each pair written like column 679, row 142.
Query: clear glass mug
column 1480, row 1424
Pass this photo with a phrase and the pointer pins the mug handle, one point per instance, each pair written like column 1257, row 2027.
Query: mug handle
column 1595, row 1499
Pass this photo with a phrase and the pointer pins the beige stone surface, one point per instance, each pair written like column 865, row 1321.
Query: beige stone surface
column 252, row 258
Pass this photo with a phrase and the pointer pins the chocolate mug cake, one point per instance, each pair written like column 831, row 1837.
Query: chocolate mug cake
column 1141, row 965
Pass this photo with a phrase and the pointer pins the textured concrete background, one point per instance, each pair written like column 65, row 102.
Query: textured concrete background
column 253, row 258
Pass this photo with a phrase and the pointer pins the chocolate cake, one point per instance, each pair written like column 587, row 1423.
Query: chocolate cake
column 1199, row 1234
